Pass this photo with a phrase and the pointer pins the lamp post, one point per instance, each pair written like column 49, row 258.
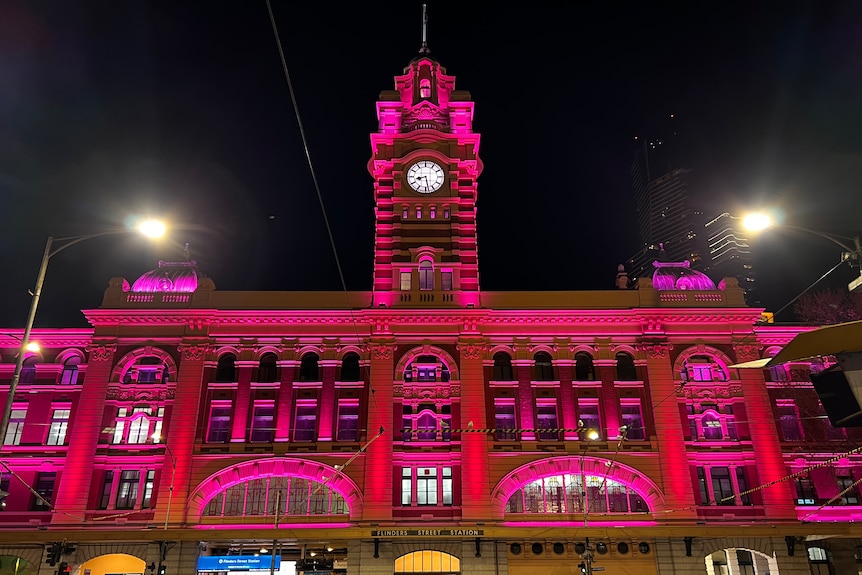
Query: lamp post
column 52, row 247
column 591, row 435
column 851, row 253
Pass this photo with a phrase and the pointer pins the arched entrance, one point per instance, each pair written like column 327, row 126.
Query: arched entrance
column 427, row 561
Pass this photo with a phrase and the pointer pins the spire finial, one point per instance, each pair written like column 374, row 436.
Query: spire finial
column 424, row 49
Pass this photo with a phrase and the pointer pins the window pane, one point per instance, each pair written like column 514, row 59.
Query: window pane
column 219, row 431
column 59, row 424
column 348, row 423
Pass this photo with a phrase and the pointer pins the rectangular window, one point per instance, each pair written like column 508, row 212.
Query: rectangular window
column 119, row 425
column 722, row 486
column 127, row 490
column 426, row 276
column 446, row 280
column 139, row 426
column 630, row 413
column 148, row 489
column 546, row 417
column 426, row 486
column 504, row 420
column 804, row 491
column 5, row 480
column 107, row 489
column 406, row 281
column 446, row 487
column 59, row 425
column 262, row 423
column 405, row 213
column 742, row 486
column 845, row 481
column 432, row 212
column 44, row 486
column 446, row 213
column 406, row 486
column 418, row 213
column 588, row 415
column 348, row 422
column 306, row 421
column 703, row 488
column 16, row 427
column 70, row 373
column 788, row 420
column 219, row 425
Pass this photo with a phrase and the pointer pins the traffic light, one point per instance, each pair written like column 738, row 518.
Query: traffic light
column 54, row 553
column 582, row 567
column 64, row 568
column 162, row 570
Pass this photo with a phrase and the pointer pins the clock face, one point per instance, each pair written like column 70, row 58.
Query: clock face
column 425, row 176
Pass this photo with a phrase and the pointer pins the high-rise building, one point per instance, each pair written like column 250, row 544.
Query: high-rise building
column 677, row 220
column 423, row 426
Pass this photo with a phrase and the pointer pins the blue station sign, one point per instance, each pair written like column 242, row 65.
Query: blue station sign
column 237, row 563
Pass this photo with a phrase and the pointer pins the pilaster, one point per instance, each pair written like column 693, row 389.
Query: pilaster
column 71, row 503
column 378, row 463
column 475, row 474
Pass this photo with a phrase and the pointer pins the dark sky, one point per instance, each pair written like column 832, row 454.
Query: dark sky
column 181, row 109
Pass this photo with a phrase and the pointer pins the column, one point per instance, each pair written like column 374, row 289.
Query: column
column 180, row 432
column 475, row 474
column 565, row 369
column 526, row 402
column 673, row 458
column 378, row 460
column 777, row 497
column 70, row 503
column 327, row 398
column 610, row 400
column 283, row 411
column 241, row 400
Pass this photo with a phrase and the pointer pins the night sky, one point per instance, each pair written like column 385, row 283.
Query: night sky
column 182, row 110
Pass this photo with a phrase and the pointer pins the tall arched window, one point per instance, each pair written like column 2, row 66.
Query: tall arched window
column 267, row 370
column 148, row 369
column 426, row 275
column 308, row 367
column 543, row 368
column 28, row 370
column 626, row 367
column 584, row 370
column 226, row 369
column 350, row 367
column 70, row 371
column 502, row 367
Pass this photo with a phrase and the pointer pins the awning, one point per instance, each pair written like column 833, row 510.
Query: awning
column 829, row 340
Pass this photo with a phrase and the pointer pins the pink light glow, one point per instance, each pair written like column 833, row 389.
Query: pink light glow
column 169, row 277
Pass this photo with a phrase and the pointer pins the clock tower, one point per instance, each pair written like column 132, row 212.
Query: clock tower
column 425, row 162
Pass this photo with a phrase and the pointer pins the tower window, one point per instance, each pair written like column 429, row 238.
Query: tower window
column 432, row 212
column 418, row 212
column 405, row 213
column 426, row 275
column 406, row 281
column 446, row 280
column 425, row 88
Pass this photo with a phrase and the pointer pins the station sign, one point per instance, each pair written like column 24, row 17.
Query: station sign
column 428, row 533
column 237, row 562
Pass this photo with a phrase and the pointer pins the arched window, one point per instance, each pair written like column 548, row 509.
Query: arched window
column 427, row 561
column 226, row 369
column 584, row 370
column 425, row 88
column 703, row 368
column 568, row 493
column 28, row 370
column 502, row 367
column 350, row 367
column 70, row 371
column 267, row 370
column 626, row 367
column 543, row 368
column 295, row 496
column 426, row 368
column 148, row 369
column 308, row 368
column 426, row 275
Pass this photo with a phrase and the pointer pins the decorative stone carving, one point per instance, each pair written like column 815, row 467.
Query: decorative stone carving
column 102, row 352
column 656, row 350
column 138, row 394
column 746, row 352
column 192, row 352
column 471, row 350
column 381, row 351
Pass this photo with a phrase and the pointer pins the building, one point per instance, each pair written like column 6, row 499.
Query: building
column 677, row 220
column 424, row 425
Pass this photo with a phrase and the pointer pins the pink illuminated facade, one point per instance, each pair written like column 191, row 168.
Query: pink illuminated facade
column 424, row 426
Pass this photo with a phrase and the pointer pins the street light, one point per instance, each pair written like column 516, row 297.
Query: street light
column 852, row 254
column 170, row 453
column 52, row 247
